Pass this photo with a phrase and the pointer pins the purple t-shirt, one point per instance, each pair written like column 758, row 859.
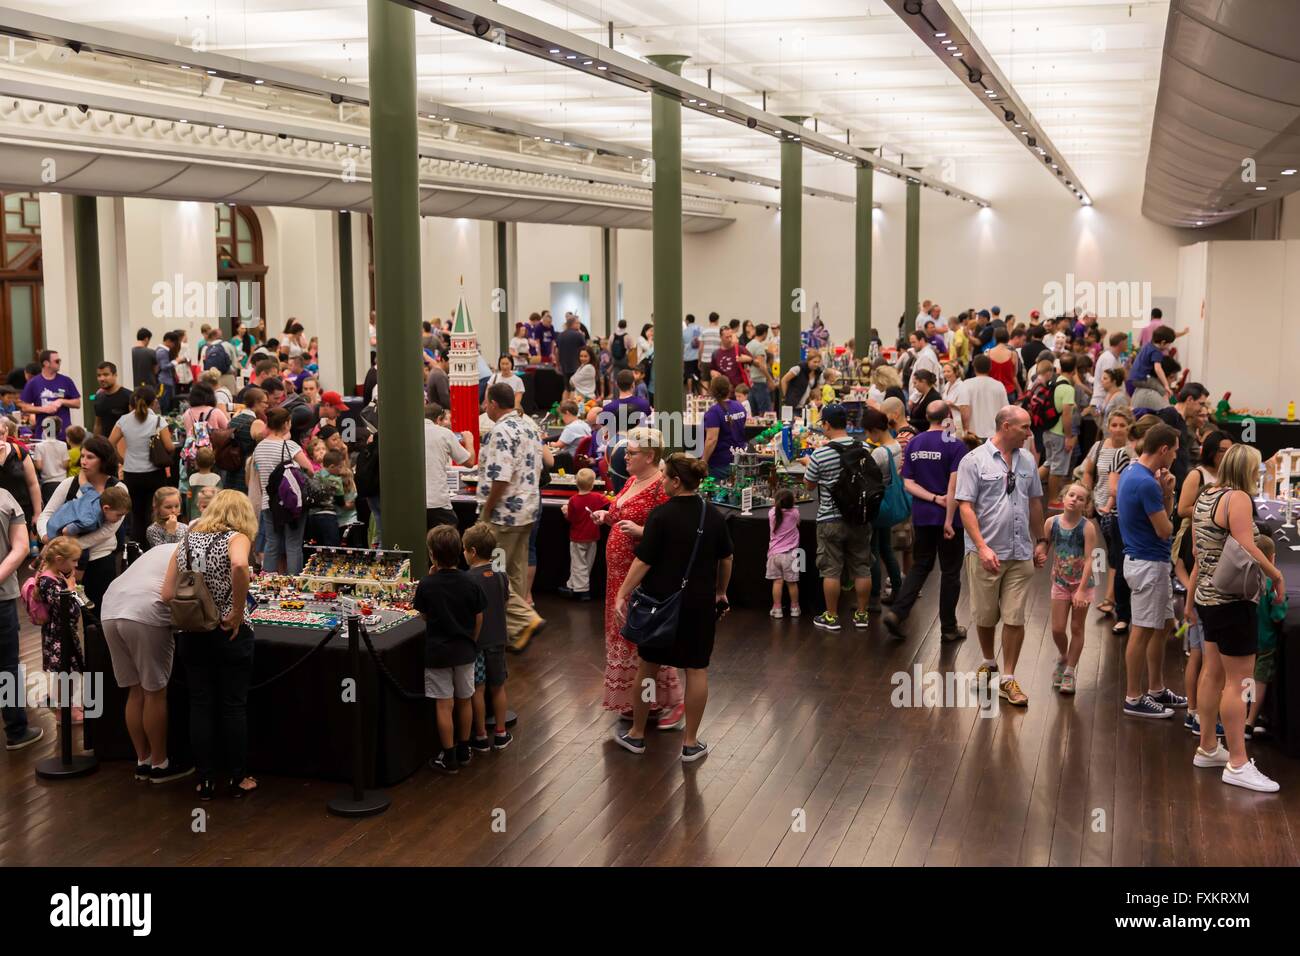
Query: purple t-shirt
column 729, row 419
column 546, row 339
column 929, row 459
column 617, row 422
column 42, row 391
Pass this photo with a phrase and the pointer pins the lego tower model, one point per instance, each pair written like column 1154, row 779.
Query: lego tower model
column 462, row 373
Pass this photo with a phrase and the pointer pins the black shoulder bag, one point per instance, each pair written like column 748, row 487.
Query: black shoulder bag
column 652, row 621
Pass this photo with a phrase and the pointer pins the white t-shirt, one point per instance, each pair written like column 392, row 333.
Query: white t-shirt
column 267, row 456
column 1106, row 361
column 573, row 433
column 441, row 448
column 54, row 458
column 986, row 397
column 513, row 380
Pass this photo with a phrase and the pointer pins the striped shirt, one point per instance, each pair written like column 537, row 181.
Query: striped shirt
column 267, row 457
column 824, row 469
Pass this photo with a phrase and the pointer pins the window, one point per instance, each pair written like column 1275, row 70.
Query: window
column 22, row 289
column 240, row 264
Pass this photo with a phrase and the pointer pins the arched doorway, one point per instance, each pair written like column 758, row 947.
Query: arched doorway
column 241, row 265
column 22, row 289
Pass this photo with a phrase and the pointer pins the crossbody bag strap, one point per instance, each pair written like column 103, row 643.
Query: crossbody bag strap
column 699, row 535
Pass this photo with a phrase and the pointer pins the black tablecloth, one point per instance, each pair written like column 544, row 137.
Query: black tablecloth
column 1280, row 703
column 543, row 387
column 1270, row 437
column 299, row 725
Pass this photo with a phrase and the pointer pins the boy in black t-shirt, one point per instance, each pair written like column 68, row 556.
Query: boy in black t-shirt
column 452, row 607
column 490, row 667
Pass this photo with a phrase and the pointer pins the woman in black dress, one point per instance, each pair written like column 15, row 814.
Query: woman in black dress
column 661, row 559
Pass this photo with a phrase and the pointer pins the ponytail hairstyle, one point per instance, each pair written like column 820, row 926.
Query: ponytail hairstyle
column 61, row 547
column 689, row 471
column 784, row 502
column 142, row 400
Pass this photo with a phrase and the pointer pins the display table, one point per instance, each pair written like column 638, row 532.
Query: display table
column 749, row 535
column 1270, row 437
column 1280, row 703
column 299, row 725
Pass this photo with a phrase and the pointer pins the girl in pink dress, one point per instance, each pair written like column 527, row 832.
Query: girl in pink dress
column 626, row 517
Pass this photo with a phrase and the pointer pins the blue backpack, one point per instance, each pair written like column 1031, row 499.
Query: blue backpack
column 896, row 506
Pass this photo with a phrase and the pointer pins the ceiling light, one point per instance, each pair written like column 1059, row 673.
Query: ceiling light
column 184, row 66
column 586, row 62
column 956, row 54
column 941, row 35
column 602, row 68
column 221, row 126
column 1288, row 172
column 555, row 49
column 258, row 82
column 212, row 72
column 1200, row 222
column 1260, row 189
column 183, row 121
column 572, row 56
column 721, row 110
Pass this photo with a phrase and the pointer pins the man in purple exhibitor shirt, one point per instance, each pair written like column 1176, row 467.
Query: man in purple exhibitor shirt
column 546, row 339
column 50, row 394
column 930, row 477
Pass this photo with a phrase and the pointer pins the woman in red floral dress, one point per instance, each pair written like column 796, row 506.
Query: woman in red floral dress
column 626, row 517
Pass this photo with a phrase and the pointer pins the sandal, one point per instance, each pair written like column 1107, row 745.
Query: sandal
column 238, row 791
column 206, row 790
column 1120, row 628
column 1106, row 608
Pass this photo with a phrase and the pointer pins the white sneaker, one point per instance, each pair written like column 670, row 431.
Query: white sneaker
column 1218, row 757
column 1250, row 777
column 794, row 610
column 777, row 612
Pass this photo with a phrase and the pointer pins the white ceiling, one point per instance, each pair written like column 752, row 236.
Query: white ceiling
column 1088, row 69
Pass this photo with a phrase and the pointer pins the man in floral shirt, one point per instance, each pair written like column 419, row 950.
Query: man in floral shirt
column 510, row 498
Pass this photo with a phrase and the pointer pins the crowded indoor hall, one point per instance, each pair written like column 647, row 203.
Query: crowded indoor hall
column 839, row 432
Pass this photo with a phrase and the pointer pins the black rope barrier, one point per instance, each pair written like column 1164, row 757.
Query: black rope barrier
column 382, row 668
column 300, row 661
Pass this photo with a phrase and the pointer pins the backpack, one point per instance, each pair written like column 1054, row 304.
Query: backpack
column 860, row 488
column 618, row 348
column 287, row 487
column 225, row 446
column 320, row 495
column 37, row 610
column 896, row 504
column 1041, row 404
column 193, row 608
column 366, row 473
column 216, row 356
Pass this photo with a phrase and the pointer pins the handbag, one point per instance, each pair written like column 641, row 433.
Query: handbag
column 193, row 608
column 1236, row 574
column 159, row 456
column 652, row 621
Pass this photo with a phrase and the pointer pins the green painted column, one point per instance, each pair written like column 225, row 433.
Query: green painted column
column 792, row 304
column 90, row 307
column 396, row 204
column 347, row 304
column 862, row 260
column 502, row 294
column 608, row 280
column 912, row 256
column 666, row 242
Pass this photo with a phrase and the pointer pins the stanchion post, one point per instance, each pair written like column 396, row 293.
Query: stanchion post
column 358, row 802
column 66, row 764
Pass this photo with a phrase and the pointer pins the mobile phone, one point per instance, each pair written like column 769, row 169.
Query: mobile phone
column 721, row 608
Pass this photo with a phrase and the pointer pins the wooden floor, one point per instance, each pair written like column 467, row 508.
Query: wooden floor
column 799, row 720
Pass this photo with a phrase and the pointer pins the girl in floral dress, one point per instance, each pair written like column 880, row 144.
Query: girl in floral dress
column 626, row 517
column 56, row 569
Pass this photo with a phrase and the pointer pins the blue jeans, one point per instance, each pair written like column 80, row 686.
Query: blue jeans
column 760, row 398
column 263, row 519
column 323, row 528
column 15, row 718
column 285, row 541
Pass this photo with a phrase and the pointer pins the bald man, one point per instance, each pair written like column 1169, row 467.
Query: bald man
column 930, row 465
column 1001, row 501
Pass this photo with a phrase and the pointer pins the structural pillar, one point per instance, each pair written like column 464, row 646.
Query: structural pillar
column 666, row 242
column 501, row 292
column 90, row 308
column 347, row 305
column 396, row 204
column 607, row 278
column 792, row 303
column 912, row 256
column 862, row 260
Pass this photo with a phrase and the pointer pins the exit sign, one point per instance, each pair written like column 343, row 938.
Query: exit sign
column 585, row 277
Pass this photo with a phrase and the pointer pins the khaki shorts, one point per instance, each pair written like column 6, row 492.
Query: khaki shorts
column 843, row 550
column 141, row 653
column 1000, row 596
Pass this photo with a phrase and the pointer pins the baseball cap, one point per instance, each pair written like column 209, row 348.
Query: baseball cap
column 335, row 399
column 1033, row 314
column 984, row 313
column 835, row 415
